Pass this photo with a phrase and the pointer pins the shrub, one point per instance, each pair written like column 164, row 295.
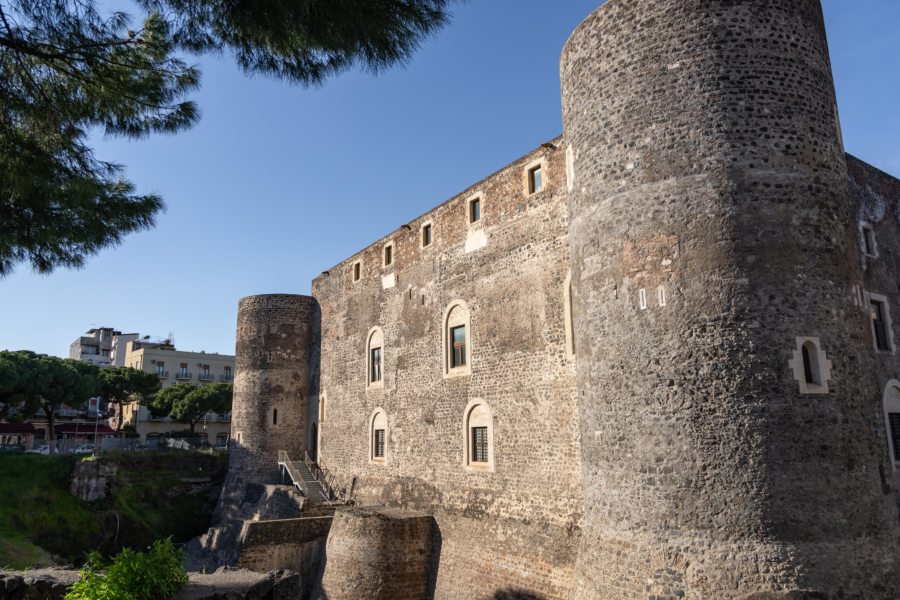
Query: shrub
column 155, row 575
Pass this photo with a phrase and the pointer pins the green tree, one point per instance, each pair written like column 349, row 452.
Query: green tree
column 188, row 404
column 65, row 68
column 45, row 383
column 123, row 385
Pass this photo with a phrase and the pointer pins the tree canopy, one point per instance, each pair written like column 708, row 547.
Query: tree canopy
column 66, row 68
column 188, row 403
column 34, row 383
column 124, row 385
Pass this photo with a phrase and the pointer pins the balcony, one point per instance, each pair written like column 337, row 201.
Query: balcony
column 163, row 374
column 207, row 377
column 184, row 375
column 226, row 377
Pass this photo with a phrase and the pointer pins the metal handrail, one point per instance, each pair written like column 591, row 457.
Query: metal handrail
column 285, row 462
column 320, row 476
column 184, row 375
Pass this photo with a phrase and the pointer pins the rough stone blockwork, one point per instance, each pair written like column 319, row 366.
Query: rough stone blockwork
column 707, row 162
column 669, row 385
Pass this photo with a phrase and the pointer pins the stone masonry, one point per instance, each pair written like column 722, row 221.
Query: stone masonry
column 673, row 386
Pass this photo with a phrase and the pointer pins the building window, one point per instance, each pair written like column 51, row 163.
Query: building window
column 868, row 239
column 892, row 420
column 161, row 369
column 457, row 340
column 183, row 372
column 378, row 450
column 375, row 367
column 479, row 436
column 881, row 323
column 375, row 357
column 204, row 372
column 458, row 347
column 274, row 416
column 810, row 366
column 378, row 431
column 426, row 235
column 474, row 210
column 388, row 255
column 479, row 445
column 228, row 375
column 535, row 180
column 357, row 271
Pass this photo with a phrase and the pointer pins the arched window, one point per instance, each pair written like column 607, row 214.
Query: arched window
column 274, row 416
column 457, row 337
column 378, row 436
column 567, row 313
column 375, row 358
column 478, row 429
column 810, row 366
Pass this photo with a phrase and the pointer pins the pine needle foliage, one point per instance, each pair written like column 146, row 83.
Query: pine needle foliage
column 66, row 69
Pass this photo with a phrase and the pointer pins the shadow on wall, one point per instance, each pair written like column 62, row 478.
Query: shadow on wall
column 515, row 594
column 434, row 561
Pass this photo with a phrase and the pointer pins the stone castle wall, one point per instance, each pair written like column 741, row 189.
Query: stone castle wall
column 707, row 166
column 699, row 224
column 275, row 349
column 515, row 527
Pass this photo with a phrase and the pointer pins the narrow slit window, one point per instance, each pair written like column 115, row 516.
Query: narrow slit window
column 480, row 444
column 807, row 365
column 274, row 416
column 378, row 440
column 388, row 255
column 426, row 235
column 535, row 180
column 375, row 367
column 475, row 210
column 357, row 271
column 880, row 326
column 869, row 240
column 458, row 347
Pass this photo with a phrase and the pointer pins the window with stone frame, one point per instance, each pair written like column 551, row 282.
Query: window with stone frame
column 457, row 340
column 475, row 210
column 375, row 358
column 479, row 439
column 378, row 436
column 426, row 235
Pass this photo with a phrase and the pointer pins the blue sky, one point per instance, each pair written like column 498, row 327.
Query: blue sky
column 278, row 183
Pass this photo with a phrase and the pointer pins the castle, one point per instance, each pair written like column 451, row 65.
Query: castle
column 652, row 359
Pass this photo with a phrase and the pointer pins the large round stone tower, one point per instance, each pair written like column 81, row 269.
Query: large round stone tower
column 728, row 404
column 275, row 345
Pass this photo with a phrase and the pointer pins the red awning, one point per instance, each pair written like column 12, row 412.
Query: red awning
column 82, row 429
column 16, row 428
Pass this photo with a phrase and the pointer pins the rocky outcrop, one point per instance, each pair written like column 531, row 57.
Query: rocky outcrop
column 94, row 480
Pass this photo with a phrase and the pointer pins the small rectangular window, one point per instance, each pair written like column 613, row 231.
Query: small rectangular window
column 894, row 420
column 388, row 255
column 357, row 269
column 869, row 240
column 475, row 210
column 378, row 450
column 375, row 367
column 458, row 347
column 480, row 444
column 535, row 180
column 426, row 235
column 880, row 326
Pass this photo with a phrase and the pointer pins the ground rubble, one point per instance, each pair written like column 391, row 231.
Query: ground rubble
column 223, row 584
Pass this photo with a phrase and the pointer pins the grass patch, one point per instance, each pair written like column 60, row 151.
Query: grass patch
column 38, row 512
column 40, row 519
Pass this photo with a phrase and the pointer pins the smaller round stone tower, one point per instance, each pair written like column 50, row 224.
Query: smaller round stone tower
column 275, row 344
